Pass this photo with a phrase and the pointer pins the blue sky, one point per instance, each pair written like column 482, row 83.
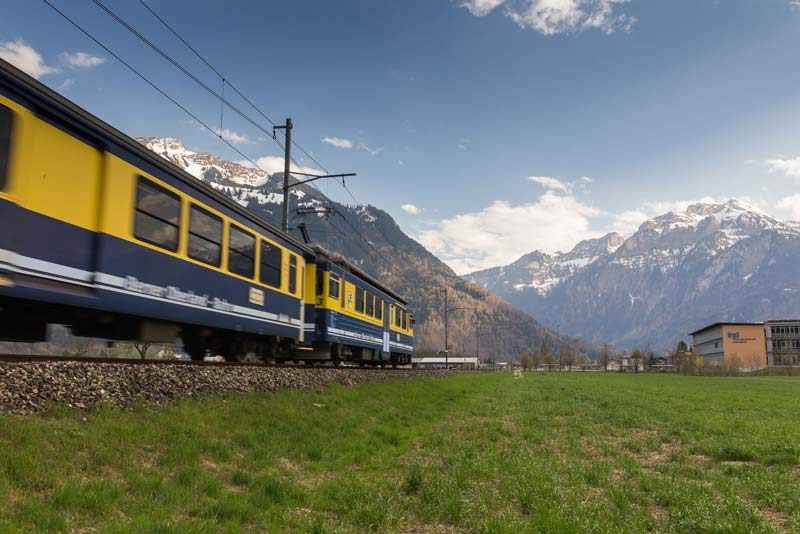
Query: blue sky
column 502, row 126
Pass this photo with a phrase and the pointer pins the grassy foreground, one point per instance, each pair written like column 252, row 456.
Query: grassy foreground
column 551, row 452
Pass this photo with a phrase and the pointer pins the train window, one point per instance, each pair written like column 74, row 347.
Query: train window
column 158, row 215
column 370, row 304
column 205, row 236
column 405, row 320
column 398, row 317
column 270, row 264
column 320, row 283
column 292, row 274
column 359, row 300
column 378, row 308
column 6, row 119
column 241, row 252
column 333, row 289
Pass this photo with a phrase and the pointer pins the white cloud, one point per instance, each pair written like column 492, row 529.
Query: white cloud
column 502, row 232
column 411, row 208
column 273, row 164
column 338, row 142
column 66, row 84
column 479, row 8
column 551, row 17
column 586, row 179
column 549, row 183
column 81, row 60
column 789, row 207
column 26, row 58
column 233, row 137
column 789, row 167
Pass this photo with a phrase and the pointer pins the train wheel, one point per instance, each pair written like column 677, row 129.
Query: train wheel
column 195, row 347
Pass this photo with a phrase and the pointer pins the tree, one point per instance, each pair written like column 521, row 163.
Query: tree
column 636, row 357
column 543, row 351
column 567, row 357
column 583, row 362
column 538, row 359
column 605, row 357
column 142, row 349
column 549, row 360
column 526, row 360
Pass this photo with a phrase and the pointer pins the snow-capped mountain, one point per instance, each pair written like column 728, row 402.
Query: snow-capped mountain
column 246, row 185
column 388, row 254
column 541, row 272
column 679, row 271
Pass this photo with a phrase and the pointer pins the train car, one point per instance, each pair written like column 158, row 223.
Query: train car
column 100, row 234
column 354, row 317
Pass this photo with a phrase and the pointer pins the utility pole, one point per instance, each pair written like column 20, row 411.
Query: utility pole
column 287, row 171
column 447, row 310
column 287, row 168
column 477, row 342
column 446, row 346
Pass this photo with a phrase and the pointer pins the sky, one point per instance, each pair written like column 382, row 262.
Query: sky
column 487, row 128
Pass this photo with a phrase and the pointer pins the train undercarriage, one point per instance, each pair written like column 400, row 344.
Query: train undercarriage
column 27, row 322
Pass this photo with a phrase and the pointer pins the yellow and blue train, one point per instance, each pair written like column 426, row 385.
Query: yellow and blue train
column 100, row 234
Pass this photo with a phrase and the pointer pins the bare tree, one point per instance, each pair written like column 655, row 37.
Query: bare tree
column 636, row 357
column 605, row 357
column 142, row 349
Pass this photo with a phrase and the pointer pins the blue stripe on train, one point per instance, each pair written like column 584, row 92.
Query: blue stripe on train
column 61, row 244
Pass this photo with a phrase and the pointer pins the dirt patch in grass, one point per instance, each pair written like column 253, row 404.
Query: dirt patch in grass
column 658, row 456
column 659, row 513
column 777, row 521
column 209, row 465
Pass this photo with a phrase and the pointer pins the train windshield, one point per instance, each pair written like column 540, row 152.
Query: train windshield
column 6, row 117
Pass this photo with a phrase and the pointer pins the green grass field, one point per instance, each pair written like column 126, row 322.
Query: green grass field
column 550, row 452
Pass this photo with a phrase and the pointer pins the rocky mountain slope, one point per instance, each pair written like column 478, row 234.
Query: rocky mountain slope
column 679, row 271
column 370, row 238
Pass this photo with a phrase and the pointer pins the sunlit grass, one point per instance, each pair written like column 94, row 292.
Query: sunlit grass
column 481, row 453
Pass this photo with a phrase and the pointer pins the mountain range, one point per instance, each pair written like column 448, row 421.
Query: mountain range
column 370, row 238
column 678, row 272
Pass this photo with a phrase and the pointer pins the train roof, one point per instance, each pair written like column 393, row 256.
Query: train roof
column 29, row 87
column 349, row 267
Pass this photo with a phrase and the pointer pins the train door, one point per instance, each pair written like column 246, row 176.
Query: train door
column 387, row 318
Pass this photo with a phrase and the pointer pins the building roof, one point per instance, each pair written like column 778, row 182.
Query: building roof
column 723, row 323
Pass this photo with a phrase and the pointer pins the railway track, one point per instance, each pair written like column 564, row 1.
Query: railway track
column 39, row 358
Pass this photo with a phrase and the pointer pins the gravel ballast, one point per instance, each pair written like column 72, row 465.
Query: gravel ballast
column 31, row 387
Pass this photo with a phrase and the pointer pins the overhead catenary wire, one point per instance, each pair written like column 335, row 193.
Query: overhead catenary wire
column 218, row 73
column 220, row 96
column 152, row 84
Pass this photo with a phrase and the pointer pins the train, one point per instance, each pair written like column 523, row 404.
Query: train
column 102, row 235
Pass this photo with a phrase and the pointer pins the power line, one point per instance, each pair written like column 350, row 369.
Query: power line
column 236, row 90
column 203, row 85
column 184, row 70
column 153, row 85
